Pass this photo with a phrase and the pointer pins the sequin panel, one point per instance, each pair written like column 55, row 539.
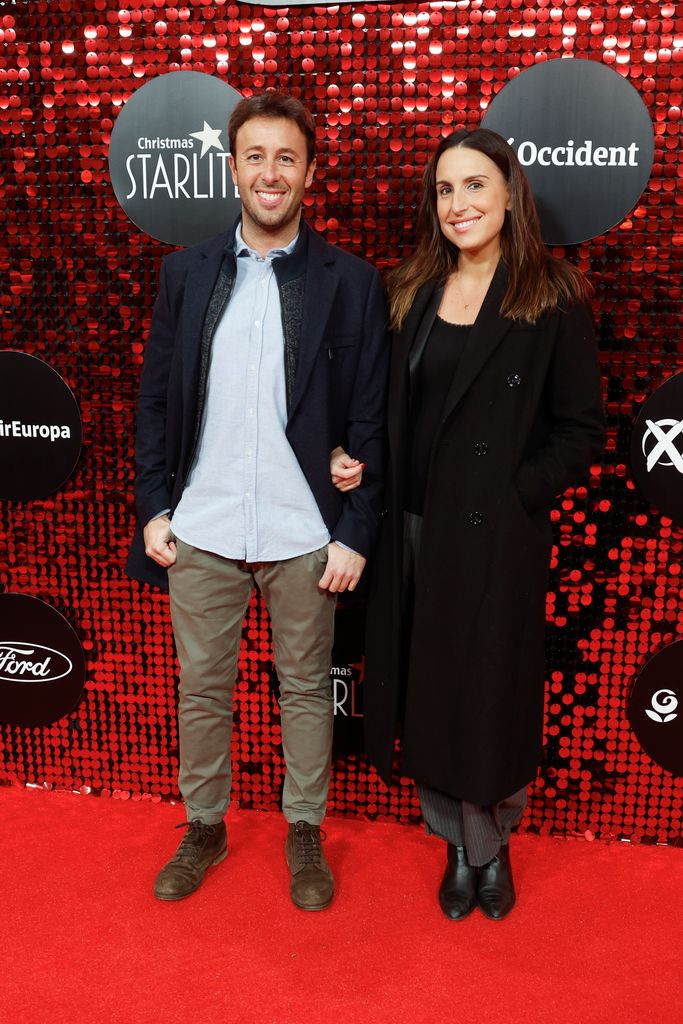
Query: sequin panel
column 78, row 284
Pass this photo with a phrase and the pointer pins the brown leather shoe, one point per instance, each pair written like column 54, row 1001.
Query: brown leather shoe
column 201, row 846
column 312, row 884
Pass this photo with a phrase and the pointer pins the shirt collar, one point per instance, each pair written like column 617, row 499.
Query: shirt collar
column 242, row 249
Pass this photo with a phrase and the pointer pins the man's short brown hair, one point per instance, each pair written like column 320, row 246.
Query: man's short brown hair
column 273, row 104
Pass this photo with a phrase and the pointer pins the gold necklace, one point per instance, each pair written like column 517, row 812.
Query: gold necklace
column 478, row 295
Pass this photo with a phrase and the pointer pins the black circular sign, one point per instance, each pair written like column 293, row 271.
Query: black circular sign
column 168, row 157
column 585, row 140
column 347, row 675
column 656, row 708
column 40, row 428
column 42, row 665
column 657, row 448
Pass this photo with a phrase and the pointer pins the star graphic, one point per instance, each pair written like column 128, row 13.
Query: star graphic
column 209, row 138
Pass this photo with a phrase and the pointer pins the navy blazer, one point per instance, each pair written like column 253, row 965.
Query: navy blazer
column 337, row 395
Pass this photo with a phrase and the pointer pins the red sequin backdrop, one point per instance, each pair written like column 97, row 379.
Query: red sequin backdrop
column 78, row 283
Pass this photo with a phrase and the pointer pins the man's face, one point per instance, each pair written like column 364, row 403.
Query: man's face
column 271, row 170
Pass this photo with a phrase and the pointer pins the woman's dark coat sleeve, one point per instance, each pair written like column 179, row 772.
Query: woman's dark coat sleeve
column 573, row 406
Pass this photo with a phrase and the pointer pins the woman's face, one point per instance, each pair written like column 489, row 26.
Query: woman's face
column 471, row 200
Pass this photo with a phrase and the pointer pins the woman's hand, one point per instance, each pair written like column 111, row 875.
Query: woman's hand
column 346, row 472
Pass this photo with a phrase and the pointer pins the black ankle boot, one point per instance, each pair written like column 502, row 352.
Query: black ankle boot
column 458, row 889
column 496, row 890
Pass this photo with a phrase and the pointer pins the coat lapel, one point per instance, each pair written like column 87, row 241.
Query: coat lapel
column 408, row 343
column 322, row 281
column 412, row 335
column 487, row 332
column 199, row 285
column 427, row 318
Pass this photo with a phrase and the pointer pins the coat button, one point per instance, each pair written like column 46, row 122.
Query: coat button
column 475, row 518
column 514, row 380
column 481, row 448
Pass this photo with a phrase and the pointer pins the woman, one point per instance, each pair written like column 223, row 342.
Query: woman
column 494, row 409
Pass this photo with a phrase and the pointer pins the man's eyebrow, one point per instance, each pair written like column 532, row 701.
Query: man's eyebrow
column 259, row 148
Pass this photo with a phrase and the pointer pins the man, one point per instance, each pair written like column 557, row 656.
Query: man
column 266, row 352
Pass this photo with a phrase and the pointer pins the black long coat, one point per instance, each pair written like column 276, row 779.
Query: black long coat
column 522, row 421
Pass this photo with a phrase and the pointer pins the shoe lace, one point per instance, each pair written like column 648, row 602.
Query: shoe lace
column 308, row 839
column 194, row 839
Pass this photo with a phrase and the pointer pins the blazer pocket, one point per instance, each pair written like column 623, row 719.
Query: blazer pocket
column 336, row 349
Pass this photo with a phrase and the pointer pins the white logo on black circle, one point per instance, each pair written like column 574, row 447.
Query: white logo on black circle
column 585, row 138
column 168, row 157
column 32, row 661
column 572, row 155
column 659, row 444
column 153, row 172
column 209, row 138
column 50, row 431
column 663, row 704
column 657, row 448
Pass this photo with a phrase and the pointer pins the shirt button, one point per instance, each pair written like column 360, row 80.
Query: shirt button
column 481, row 448
column 257, row 323
column 514, row 380
column 475, row 518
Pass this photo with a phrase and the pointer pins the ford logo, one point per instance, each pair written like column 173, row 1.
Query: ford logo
column 32, row 663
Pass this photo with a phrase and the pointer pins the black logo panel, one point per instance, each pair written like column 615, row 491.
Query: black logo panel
column 657, row 448
column 42, row 665
column 168, row 157
column 656, row 708
column 585, row 140
column 40, row 428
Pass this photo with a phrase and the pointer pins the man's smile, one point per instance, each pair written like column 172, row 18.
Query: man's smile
column 269, row 197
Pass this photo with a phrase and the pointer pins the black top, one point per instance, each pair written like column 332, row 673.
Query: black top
column 429, row 389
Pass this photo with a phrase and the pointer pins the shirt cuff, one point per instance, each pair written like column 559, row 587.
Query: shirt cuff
column 345, row 546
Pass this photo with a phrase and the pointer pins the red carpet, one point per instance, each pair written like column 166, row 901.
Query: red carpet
column 596, row 936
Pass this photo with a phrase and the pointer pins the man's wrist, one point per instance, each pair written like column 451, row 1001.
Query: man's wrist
column 341, row 544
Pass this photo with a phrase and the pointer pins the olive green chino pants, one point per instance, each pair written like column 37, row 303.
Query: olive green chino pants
column 209, row 598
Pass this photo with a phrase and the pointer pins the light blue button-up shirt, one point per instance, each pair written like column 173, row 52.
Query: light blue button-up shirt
column 246, row 496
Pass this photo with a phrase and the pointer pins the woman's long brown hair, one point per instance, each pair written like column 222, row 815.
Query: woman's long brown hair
column 537, row 281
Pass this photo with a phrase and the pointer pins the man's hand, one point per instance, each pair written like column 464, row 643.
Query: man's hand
column 343, row 569
column 159, row 543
